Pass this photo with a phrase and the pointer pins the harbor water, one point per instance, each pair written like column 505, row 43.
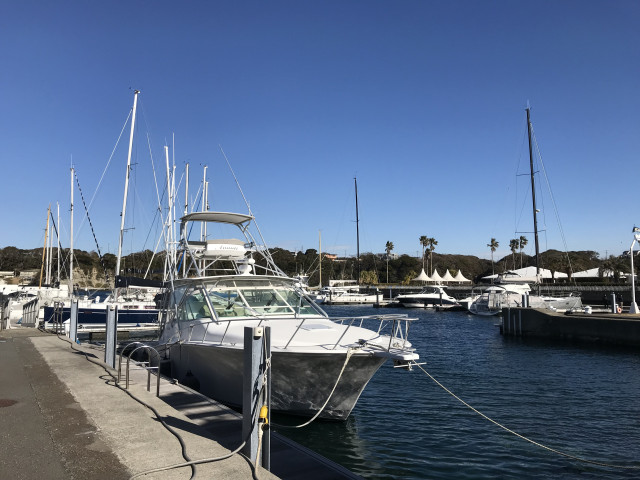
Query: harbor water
column 579, row 399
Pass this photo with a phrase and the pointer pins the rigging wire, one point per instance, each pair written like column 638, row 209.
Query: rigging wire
column 173, row 431
column 266, row 252
column 104, row 267
column 533, row 442
column 107, row 165
column 555, row 207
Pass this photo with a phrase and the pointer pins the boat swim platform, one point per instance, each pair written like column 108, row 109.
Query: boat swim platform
column 62, row 417
column 598, row 327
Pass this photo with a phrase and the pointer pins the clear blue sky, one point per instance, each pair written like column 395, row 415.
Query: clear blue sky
column 424, row 101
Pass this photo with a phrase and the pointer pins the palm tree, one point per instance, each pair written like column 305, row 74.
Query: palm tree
column 388, row 247
column 514, row 244
column 493, row 245
column 431, row 242
column 424, row 241
column 523, row 243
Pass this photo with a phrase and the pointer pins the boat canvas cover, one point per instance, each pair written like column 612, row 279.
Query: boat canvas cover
column 123, row 282
column 219, row 217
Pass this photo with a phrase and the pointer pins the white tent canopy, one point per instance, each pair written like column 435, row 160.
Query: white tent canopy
column 460, row 278
column 423, row 277
column 435, row 276
column 447, row 277
column 526, row 274
column 594, row 273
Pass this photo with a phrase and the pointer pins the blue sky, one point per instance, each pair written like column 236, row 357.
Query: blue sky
column 423, row 101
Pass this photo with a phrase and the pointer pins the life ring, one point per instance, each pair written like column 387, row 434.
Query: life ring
column 619, row 309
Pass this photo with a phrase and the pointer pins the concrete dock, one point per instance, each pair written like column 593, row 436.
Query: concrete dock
column 604, row 328
column 63, row 417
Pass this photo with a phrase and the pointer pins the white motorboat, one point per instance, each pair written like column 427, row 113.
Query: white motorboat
column 430, row 296
column 231, row 284
column 497, row 297
column 346, row 292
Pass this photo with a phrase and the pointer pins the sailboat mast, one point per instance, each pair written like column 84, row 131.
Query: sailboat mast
column 126, row 181
column 355, row 180
column 533, row 193
column 168, row 238
column 186, row 189
column 58, row 240
column 320, row 255
column 44, row 250
column 71, row 240
column 50, row 248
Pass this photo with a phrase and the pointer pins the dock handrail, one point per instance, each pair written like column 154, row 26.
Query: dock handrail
column 145, row 365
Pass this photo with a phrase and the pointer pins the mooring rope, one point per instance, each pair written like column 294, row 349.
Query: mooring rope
column 189, row 462
column 346, row 360
column 537, row 444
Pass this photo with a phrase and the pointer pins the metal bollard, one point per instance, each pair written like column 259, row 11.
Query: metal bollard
column 257, row 346
column 73, row 321
column 111, row 337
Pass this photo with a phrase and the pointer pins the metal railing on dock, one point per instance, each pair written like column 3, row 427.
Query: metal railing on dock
column 141, row 365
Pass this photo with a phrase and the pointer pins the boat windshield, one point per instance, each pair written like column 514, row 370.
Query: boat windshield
column 245, row 298
column 430, row 290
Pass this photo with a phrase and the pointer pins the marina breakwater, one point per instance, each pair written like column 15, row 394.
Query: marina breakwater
column 604, row 328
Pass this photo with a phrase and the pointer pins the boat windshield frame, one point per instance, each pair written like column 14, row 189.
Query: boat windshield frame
column 230, row 298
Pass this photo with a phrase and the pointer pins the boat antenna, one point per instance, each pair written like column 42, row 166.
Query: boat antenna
column 266, row 252
column 533, row 193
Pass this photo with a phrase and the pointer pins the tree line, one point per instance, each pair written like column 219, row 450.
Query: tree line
column 375, row 269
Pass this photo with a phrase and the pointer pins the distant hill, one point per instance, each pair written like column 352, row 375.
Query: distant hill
column 89, row 268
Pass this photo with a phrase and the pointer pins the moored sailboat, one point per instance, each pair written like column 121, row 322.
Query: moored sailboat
column 510, row 294
column 136, row 306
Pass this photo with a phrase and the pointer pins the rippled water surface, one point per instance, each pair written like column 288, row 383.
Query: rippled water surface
column 581, row 399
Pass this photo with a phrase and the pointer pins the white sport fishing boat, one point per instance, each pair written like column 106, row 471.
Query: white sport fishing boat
column 346, row 292
column 231, row 284
column 430, row 296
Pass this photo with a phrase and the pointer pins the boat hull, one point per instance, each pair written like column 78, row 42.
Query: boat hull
column 301, row 382
column 96, row 317
column 368, row 300
column 413, row 302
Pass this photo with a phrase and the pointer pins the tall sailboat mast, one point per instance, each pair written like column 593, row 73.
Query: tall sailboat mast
column 355, row 180
column 533, row 192
column 44, row 250
column 71, row 240
column 58, row 240
column 126, row 181
column 320, row 256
